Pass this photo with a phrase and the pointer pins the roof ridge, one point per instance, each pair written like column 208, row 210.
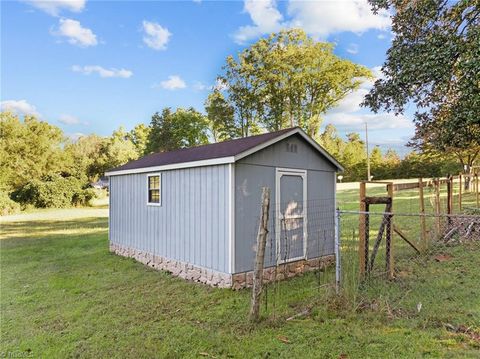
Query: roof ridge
column 226, row 141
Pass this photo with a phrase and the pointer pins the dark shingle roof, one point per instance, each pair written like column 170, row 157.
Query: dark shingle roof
column 206, row 152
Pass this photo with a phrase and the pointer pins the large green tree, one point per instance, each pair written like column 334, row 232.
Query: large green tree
column 332, row 142
column 117, row 150
column 91, row 156
column 139, row 136
column 83, row 156
column 288, row 79
column 29, row 149
column 221, row 117
column 179, row 129
column 434, row 63
column 354, row 158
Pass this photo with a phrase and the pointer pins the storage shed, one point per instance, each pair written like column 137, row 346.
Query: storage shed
column 195, row 212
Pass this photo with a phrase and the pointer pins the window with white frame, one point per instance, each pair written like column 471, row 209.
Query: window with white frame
column 154, row 189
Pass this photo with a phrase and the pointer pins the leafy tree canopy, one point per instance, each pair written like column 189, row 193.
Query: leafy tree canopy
column 286, row 80
column 434, row 62
column 139, row 137
column 221, row 117
column 28, row 149
column 117, row 150
column 179, row 129
column 83, row 157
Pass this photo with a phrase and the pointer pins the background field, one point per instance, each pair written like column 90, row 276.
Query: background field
column 64, row 295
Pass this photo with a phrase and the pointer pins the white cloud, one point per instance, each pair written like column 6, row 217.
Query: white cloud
column 317, row 18
column 102, row 72
column 352, row 49
column 156, row 36
column 199, row 86
column 377, row 73
column 19, row 107
column 53, row 7
column 376, row 121
column 220, row 85
column 174, row 82
column 323, row 18
column 217, row 85
column 381, row 36
column 265, row 17
column 71, row 120
column 76, row 34
column 75, row 136
column 348, row 115
column 351, row 102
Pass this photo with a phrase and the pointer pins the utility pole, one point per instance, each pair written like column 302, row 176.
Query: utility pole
column 368, row 155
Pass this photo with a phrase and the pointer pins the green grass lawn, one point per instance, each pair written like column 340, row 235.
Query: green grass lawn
column 64, row 295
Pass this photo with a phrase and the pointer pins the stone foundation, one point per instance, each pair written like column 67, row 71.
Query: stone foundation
column 217, row 279
column 282, row 271
column 179, row 269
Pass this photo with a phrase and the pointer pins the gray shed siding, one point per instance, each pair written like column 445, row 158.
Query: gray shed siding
column 191, row 225
column 258, row 170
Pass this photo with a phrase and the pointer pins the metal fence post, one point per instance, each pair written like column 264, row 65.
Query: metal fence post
column 338, row 264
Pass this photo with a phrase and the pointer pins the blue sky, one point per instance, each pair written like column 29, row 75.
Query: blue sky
column 91, row 66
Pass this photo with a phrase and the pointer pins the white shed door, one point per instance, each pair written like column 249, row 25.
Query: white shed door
column 291, row 214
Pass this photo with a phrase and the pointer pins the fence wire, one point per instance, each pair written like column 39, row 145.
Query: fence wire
column 300, row 242
column 421, row 247
column 424, row 247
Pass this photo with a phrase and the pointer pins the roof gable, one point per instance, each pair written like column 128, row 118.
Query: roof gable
column 215, row 153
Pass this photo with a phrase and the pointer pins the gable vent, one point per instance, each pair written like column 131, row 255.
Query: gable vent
column 291, row 147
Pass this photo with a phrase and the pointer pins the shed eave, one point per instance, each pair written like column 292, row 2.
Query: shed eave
column 173, row 166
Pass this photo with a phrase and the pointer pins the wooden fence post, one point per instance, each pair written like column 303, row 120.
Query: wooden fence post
column 437, row 205
column 389, row 237
column 361, row 232
column 460, row 191
column 423, row 225
column 477, row 190
column 260, row 255
column 450, row 195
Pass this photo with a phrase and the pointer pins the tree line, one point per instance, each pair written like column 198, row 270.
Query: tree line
column 42, row 167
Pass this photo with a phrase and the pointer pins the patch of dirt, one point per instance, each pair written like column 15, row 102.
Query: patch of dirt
column 470, row 332
column 443, row 257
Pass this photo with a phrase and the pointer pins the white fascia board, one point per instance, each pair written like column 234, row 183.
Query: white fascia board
column 211, row 162
column 288, row 134
column 231, row 216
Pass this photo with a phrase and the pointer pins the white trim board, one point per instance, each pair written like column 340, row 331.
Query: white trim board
column 231, row 217
column 279, row 172
column 159, row 175
column 210, row 162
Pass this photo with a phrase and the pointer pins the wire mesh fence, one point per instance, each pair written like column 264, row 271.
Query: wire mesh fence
column 408, row 246
column 300, row 242
column 421, row 247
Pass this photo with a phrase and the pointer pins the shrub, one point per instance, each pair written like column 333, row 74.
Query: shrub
column 83, row 197
column 7, row 205
column 54, row 191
